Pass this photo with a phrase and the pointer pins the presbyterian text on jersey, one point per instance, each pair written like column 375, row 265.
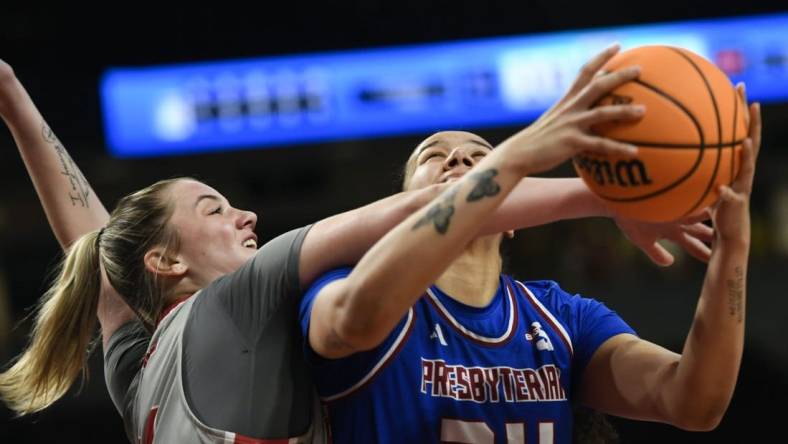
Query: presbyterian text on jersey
column 491, row 384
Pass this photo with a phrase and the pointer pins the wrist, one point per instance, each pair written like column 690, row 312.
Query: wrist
column 511, row 161
column 732, row 245
column 595, row 206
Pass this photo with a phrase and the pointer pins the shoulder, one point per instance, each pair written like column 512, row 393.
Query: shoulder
column 548, row 292
column 282, row 249
column 315, row 287
column 274, row 264
column 549, row 296
column 126, row 336
column 328, row 277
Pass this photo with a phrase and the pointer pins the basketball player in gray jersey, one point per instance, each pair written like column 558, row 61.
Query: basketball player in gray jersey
column 225, row 363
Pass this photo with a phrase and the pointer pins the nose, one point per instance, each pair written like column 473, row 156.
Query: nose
column 246, row 219
column 456, row 157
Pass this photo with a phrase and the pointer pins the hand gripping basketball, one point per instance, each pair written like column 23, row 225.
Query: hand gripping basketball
column 689, row 143
column 565, row 129
column 731, row 215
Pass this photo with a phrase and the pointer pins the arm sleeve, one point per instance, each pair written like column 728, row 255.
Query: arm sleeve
column 122, row 359
column 258, row 289
column 595, row 324
column 589, row 322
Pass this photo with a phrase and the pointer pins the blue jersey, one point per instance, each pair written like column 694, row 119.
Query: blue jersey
column 454, row 373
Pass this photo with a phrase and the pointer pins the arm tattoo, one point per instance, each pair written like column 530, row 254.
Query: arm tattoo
column 440, row 214
column 80, row 190
column 736, row 294
column 485, row 185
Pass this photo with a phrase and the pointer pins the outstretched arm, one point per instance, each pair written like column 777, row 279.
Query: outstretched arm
column 71, row 206
column 532, row 202
column 634, row 378
column 358, row 312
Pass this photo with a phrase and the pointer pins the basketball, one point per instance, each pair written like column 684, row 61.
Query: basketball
column 689, row 139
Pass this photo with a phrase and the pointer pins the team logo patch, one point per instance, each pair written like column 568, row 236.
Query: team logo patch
column 539, row 336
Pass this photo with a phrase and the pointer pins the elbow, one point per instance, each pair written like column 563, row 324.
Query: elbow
column 699, row 423
column 701, row 418
column 358, row 327
column 356, row 336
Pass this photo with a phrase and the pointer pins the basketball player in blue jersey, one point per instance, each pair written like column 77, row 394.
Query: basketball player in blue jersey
column 480, row 357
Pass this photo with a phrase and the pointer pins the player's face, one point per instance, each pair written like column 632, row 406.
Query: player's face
column 215, row 238
column 443, row 157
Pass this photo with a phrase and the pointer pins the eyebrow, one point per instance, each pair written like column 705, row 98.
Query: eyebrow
column 437, row 141
column 479, row 142
column 206, row 196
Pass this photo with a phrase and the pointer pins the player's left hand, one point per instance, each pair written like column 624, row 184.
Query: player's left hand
column 691, row 234
column 731, row 215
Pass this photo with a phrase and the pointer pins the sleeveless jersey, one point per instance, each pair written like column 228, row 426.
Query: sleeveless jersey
column 453, row 373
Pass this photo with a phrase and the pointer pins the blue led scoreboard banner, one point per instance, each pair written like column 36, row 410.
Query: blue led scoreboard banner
column 278, row 101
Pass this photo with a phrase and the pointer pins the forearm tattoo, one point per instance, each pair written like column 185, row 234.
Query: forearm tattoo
column 736, row 294
column 485, row 185
column 80, row 190
column 440, row 214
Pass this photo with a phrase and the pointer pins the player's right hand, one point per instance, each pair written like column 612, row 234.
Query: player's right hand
column 565, row 129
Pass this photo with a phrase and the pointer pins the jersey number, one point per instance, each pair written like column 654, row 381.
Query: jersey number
column 478, row 432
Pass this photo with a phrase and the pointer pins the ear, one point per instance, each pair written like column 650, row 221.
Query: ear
column 158, row 262
column 509, row 234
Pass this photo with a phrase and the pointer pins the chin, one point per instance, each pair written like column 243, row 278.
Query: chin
column 249, row 254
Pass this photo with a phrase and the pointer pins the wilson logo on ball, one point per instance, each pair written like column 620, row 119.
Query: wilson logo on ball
column 689, row 140
column 625, row 173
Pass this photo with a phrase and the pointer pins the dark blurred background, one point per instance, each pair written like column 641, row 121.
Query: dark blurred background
column 60, row 51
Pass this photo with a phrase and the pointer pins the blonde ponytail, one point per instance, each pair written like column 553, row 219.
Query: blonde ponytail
column 62, row 336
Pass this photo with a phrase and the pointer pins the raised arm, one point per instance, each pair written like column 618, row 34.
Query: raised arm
column 71, row 206
column 532, row 202
column 358, row 312
column 634, row 378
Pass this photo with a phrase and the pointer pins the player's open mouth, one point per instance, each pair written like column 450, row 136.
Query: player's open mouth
column 250, row 243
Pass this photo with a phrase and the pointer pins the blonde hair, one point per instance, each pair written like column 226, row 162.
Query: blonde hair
column 64, row 330
column 62, row 335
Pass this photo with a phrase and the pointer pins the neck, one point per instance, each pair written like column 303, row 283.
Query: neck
column 183, row 289
column 473, row 277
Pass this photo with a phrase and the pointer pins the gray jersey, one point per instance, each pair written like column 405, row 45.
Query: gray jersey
column 227, row 360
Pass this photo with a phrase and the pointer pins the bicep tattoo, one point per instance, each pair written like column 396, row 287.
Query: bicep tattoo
column 80, row 190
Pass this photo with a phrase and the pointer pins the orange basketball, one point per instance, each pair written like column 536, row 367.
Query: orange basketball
column 689, row 139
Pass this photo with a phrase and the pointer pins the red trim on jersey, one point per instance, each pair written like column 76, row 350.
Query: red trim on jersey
column 240, row 439
column 149, row 353
column 549, row 320
column 512, row 309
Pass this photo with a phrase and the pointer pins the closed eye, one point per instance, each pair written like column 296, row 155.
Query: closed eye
column 429, row 156
column 218, row 210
